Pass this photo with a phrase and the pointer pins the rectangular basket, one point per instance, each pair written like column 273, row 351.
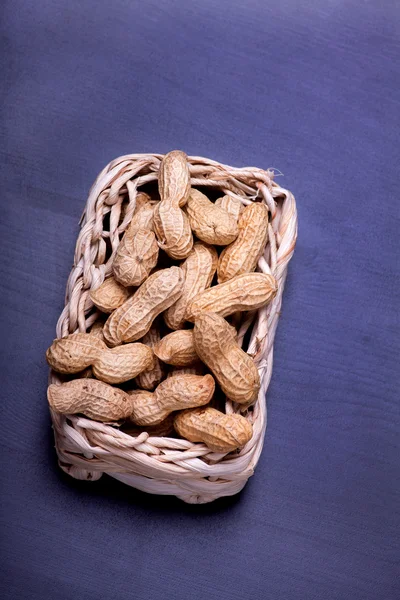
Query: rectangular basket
column 164, row 465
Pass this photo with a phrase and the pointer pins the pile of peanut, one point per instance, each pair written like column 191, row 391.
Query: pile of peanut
column 167, row 338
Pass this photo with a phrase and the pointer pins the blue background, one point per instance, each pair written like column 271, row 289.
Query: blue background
column 310, row 88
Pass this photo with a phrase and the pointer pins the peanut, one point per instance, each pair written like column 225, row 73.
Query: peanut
column 78, row 351
column 199, row 269
column 232, row 205
column 243, row 292
column 177, row 348
column 136, row 256
column 210, row 222
column 165, row 428
column 197, row 368
column 122, row 363
column 173, row 230
column 75, row 352
column 133, row 319
column 234, row 370
column 170, row 222
column 243, row 255
column 142, row 199
column 175, row 393
column 150, row 378
column 109, row 295
column 143, row 218
column 220, row 432
column 174, row 178
column 97, row 329
column 92, row 398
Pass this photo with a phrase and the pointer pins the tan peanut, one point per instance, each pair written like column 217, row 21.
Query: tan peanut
column 234, row 370
column 174, row 178
column 122, row 363
column 109, row 295
column 197, row 368
column 150, row 378
column 232, row 205
column 141, row 200
column 136, row 256
column 163, row 429
column 75, row 352
column 133, row 319
column 175, row 393
column 173, row 230
column 177, row 348
column 170, row 222
column 92, row 398
column 97, row 329
column 210, row 222
column 143, row 218
column 220, row 432
column 199, row 269
column 243, row 292
column 78, row 351
column 243, row 255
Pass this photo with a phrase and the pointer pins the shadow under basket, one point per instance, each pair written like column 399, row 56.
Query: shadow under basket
column 167, row 465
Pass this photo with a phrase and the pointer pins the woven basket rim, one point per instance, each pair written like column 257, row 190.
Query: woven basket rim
column 86, row 449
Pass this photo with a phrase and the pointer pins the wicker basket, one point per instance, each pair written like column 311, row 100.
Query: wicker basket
column 86, row 449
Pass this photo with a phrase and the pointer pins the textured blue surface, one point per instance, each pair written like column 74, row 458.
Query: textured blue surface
column 310, row 88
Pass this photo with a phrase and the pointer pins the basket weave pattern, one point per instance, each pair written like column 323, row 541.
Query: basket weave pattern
column 86, row 449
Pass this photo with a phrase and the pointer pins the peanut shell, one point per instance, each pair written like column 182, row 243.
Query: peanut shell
column 136, row 256
column 174, row 178
column 220, row 432
column 173, row 230
column 177, row 348
column 175, row 393
column 94, row 399
column 163, row 429
column 150, row 378
column 109, row 295
column 241, row 293
column 244, row 253
column 232, row 205
column 210, row 222
column 199, row 269
column 143, row 218
column 133, row 319
column 233, row 369
column 197, row 368
column 122, row 363
column 74, row 353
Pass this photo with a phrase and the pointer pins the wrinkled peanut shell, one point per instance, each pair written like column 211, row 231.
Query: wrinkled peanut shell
column 199, row 269
column 243, row 255
column 133, row 319
column 150, row 378
column 220, row 432
column 241, row 293
column 175, row 393
column 135, row 258
column 234, row 370
column 109, row 295
column 177, row 348
column 209, row 222
column 94, row 399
